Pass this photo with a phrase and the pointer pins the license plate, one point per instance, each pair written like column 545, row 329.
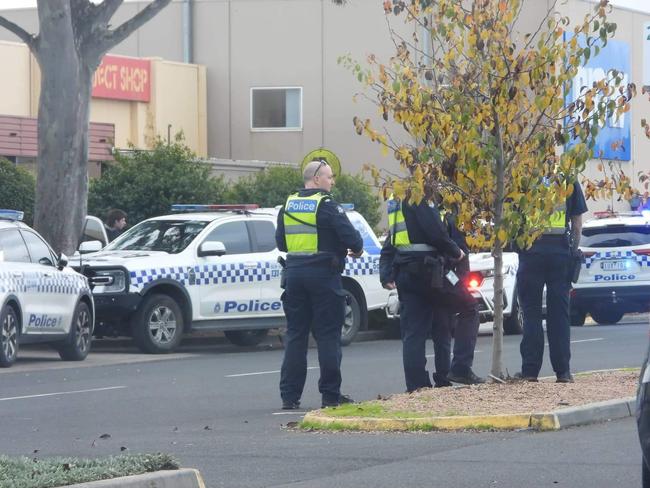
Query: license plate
column 613, row 265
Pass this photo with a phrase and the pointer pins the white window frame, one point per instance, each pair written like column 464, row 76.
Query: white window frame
column 275, row 129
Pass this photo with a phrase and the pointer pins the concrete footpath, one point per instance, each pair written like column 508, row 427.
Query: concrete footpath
column 181, row 478
column 545, row 421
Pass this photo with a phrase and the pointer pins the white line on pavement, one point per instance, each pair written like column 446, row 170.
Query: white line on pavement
column 289, row 413
column 584, row 340
column 260, row 372
column 62, row 393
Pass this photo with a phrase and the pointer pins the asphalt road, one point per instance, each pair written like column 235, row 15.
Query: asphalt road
column 216, row 408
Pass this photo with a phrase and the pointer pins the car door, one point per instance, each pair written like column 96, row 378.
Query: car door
column 228, row 287
column 15, row 260
column 52, row 290
column 266, row 252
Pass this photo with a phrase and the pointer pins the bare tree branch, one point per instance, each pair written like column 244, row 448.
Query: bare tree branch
column 24, row 36
column 107, row 9
column 117, row 35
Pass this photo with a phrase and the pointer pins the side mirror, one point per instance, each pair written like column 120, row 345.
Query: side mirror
column 62, row 262
column 90, row 246
column 212, row 248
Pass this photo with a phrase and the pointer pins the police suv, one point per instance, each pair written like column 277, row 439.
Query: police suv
column 41, row 299
column 615, row 277
column 213, row 268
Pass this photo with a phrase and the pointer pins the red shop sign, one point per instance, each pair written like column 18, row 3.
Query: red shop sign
column 120, row 78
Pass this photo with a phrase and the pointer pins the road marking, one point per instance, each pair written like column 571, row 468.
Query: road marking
column 584, row 340
column 62, row 393
column 260, row 372
column 290, row 413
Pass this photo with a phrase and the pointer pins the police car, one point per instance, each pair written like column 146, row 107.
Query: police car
column 41, row 299
column 615, row 277
column 480, row 283
column 215, row 267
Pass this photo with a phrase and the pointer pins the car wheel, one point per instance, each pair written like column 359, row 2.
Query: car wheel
column 246, row 338
column 353, row 318
column 8, row 337
column 578, row 318
column 513, row 324
column 77, row 345
column 606, row 317
column 158, row 324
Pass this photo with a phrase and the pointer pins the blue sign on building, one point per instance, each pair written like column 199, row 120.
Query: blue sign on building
column 615, row 55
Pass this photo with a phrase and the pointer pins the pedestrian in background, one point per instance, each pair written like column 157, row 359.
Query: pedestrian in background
column 412, row 260
column 317, row 235
column 548, row 263
column 115, row 223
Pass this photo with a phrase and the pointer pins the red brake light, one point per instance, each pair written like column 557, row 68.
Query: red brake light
column 588, row 254
column 474, row 280
column 642, row 252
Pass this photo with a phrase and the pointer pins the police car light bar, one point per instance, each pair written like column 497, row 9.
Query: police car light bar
column 11, row 214
column 189, row 207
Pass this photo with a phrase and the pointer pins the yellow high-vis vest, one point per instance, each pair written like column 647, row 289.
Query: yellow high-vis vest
column 557, row 221
column 399, row 233
column 300, row 229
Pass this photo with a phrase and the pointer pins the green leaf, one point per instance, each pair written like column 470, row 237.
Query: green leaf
column 396, row 86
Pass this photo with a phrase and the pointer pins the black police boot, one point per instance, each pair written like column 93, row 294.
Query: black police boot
column 470, row 378
column 290, row 404
column 521, row 377
column 335, row 403
column 440, row 380
column 564, row 378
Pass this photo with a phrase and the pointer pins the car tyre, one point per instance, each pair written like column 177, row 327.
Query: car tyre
column 8, row 336
column 513, row 324
column 158, row 324
column 607, row 317
column 578, row 318
column 77, row 345
column 353, row 318
column 246, row 338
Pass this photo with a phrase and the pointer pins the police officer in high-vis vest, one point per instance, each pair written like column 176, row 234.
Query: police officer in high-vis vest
column 548, row 262
column 412, row 260
column 317, row 236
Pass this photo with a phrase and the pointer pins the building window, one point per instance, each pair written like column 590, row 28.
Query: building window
column 276, row 109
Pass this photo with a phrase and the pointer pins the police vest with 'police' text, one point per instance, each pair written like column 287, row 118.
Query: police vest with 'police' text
column 300, row 229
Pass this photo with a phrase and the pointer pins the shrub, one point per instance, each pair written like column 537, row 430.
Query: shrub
column 50, row 472
column 18, row 189
column 146, row 183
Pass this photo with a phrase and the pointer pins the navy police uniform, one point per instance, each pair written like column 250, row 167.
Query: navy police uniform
column 643, row 418
column 411, row 257
column 316, row 234
column 548, row 262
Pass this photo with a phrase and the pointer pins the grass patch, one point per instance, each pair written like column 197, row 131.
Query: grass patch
column 336, row 426
column 23, row 472
column 370, row 410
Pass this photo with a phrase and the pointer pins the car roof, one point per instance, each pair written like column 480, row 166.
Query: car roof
column 618, row 220
column 12, row 224
column 212, row 216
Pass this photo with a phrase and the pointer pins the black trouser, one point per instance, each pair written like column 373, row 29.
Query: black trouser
column 457, row 311
column 416, row 317
column 643, row 421
column 313, row 299
column 535, row 271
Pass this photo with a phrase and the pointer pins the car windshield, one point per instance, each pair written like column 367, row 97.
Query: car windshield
column 615, row 236
column 170, row 236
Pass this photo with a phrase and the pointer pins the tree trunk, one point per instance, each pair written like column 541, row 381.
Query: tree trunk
column 497, row 254
column 63, row 118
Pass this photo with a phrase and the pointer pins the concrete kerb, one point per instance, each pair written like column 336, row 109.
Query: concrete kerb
column 180, row 478
column 559, row 419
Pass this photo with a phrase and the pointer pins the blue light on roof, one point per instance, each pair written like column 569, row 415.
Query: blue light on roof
column 7, row 214
column 347, row 206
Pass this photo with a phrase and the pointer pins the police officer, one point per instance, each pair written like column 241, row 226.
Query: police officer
column 457, row 311
column 317, row 235
column 643, row 418
column 549, row 262
column 411, row 261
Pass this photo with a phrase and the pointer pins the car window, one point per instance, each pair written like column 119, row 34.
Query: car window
column 12, row 247
column 171, row 236
column 38, row 250
column 615, row 236
column 234, row 236
column 264, row 232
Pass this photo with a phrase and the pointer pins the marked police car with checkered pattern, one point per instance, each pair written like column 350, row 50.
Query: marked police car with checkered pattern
column 41, row 300
column 214, row 268
column 615, row 277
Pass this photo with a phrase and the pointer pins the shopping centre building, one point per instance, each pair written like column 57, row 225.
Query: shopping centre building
column 258, row 80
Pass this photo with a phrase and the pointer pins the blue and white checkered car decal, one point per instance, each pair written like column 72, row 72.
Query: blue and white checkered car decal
column 59, row 284
column 641, row 259
column 142, row 277
column 366, row 265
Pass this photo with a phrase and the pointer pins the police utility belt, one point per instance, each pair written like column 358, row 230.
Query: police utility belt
column 430, row 264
